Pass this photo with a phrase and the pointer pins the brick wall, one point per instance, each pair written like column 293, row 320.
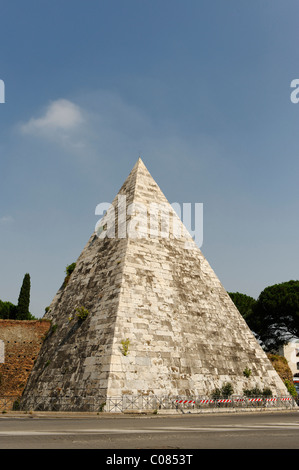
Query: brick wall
column 22, row 341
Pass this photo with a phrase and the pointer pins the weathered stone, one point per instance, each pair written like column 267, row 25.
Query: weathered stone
column 185, row 334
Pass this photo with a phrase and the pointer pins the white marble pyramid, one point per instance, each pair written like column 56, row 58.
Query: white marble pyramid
column 159, row 321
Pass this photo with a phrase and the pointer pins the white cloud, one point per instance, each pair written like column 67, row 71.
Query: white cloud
column 60, row 115
column 63, row 122
column 6, row 220
column 101, row 126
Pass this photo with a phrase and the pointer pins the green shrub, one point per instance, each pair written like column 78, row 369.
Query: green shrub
column 16, row 405
column 125, row 346
column 291, row 388
column 257, row 392
column 216, row 393
column 252, row 392
column 82, row 313
column 70, row 268
column 101, row 407
column 225, row 391
column 247, row 372
column 267, row 392
column 68, row 271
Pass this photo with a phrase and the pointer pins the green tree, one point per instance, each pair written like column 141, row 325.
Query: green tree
column 24, row 300
column 244, row 304
column 275, row 316
column 8, row 311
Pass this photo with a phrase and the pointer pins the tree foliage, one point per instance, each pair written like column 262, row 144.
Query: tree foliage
column 24, row 299
column 244, row 303
column 275, row 315
column 281, row 366
column 8, row 311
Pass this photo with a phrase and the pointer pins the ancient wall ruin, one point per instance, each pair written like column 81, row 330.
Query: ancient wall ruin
column 21, row 341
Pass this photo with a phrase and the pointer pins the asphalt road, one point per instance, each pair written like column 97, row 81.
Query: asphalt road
column 277, row 430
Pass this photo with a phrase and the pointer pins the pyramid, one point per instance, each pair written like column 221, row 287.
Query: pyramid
column 159, row 320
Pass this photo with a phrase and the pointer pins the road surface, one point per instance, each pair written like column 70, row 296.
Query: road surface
column 277, row 430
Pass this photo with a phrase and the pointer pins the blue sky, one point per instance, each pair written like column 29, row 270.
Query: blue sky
column 200, row 89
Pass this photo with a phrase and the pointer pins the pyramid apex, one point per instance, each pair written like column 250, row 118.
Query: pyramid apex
column 139, row 166
column 139, row 162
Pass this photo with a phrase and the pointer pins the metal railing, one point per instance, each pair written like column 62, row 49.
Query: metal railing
column 153, row 403
column 235, row 402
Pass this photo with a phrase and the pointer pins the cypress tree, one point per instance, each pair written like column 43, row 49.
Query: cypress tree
column 24, row 300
